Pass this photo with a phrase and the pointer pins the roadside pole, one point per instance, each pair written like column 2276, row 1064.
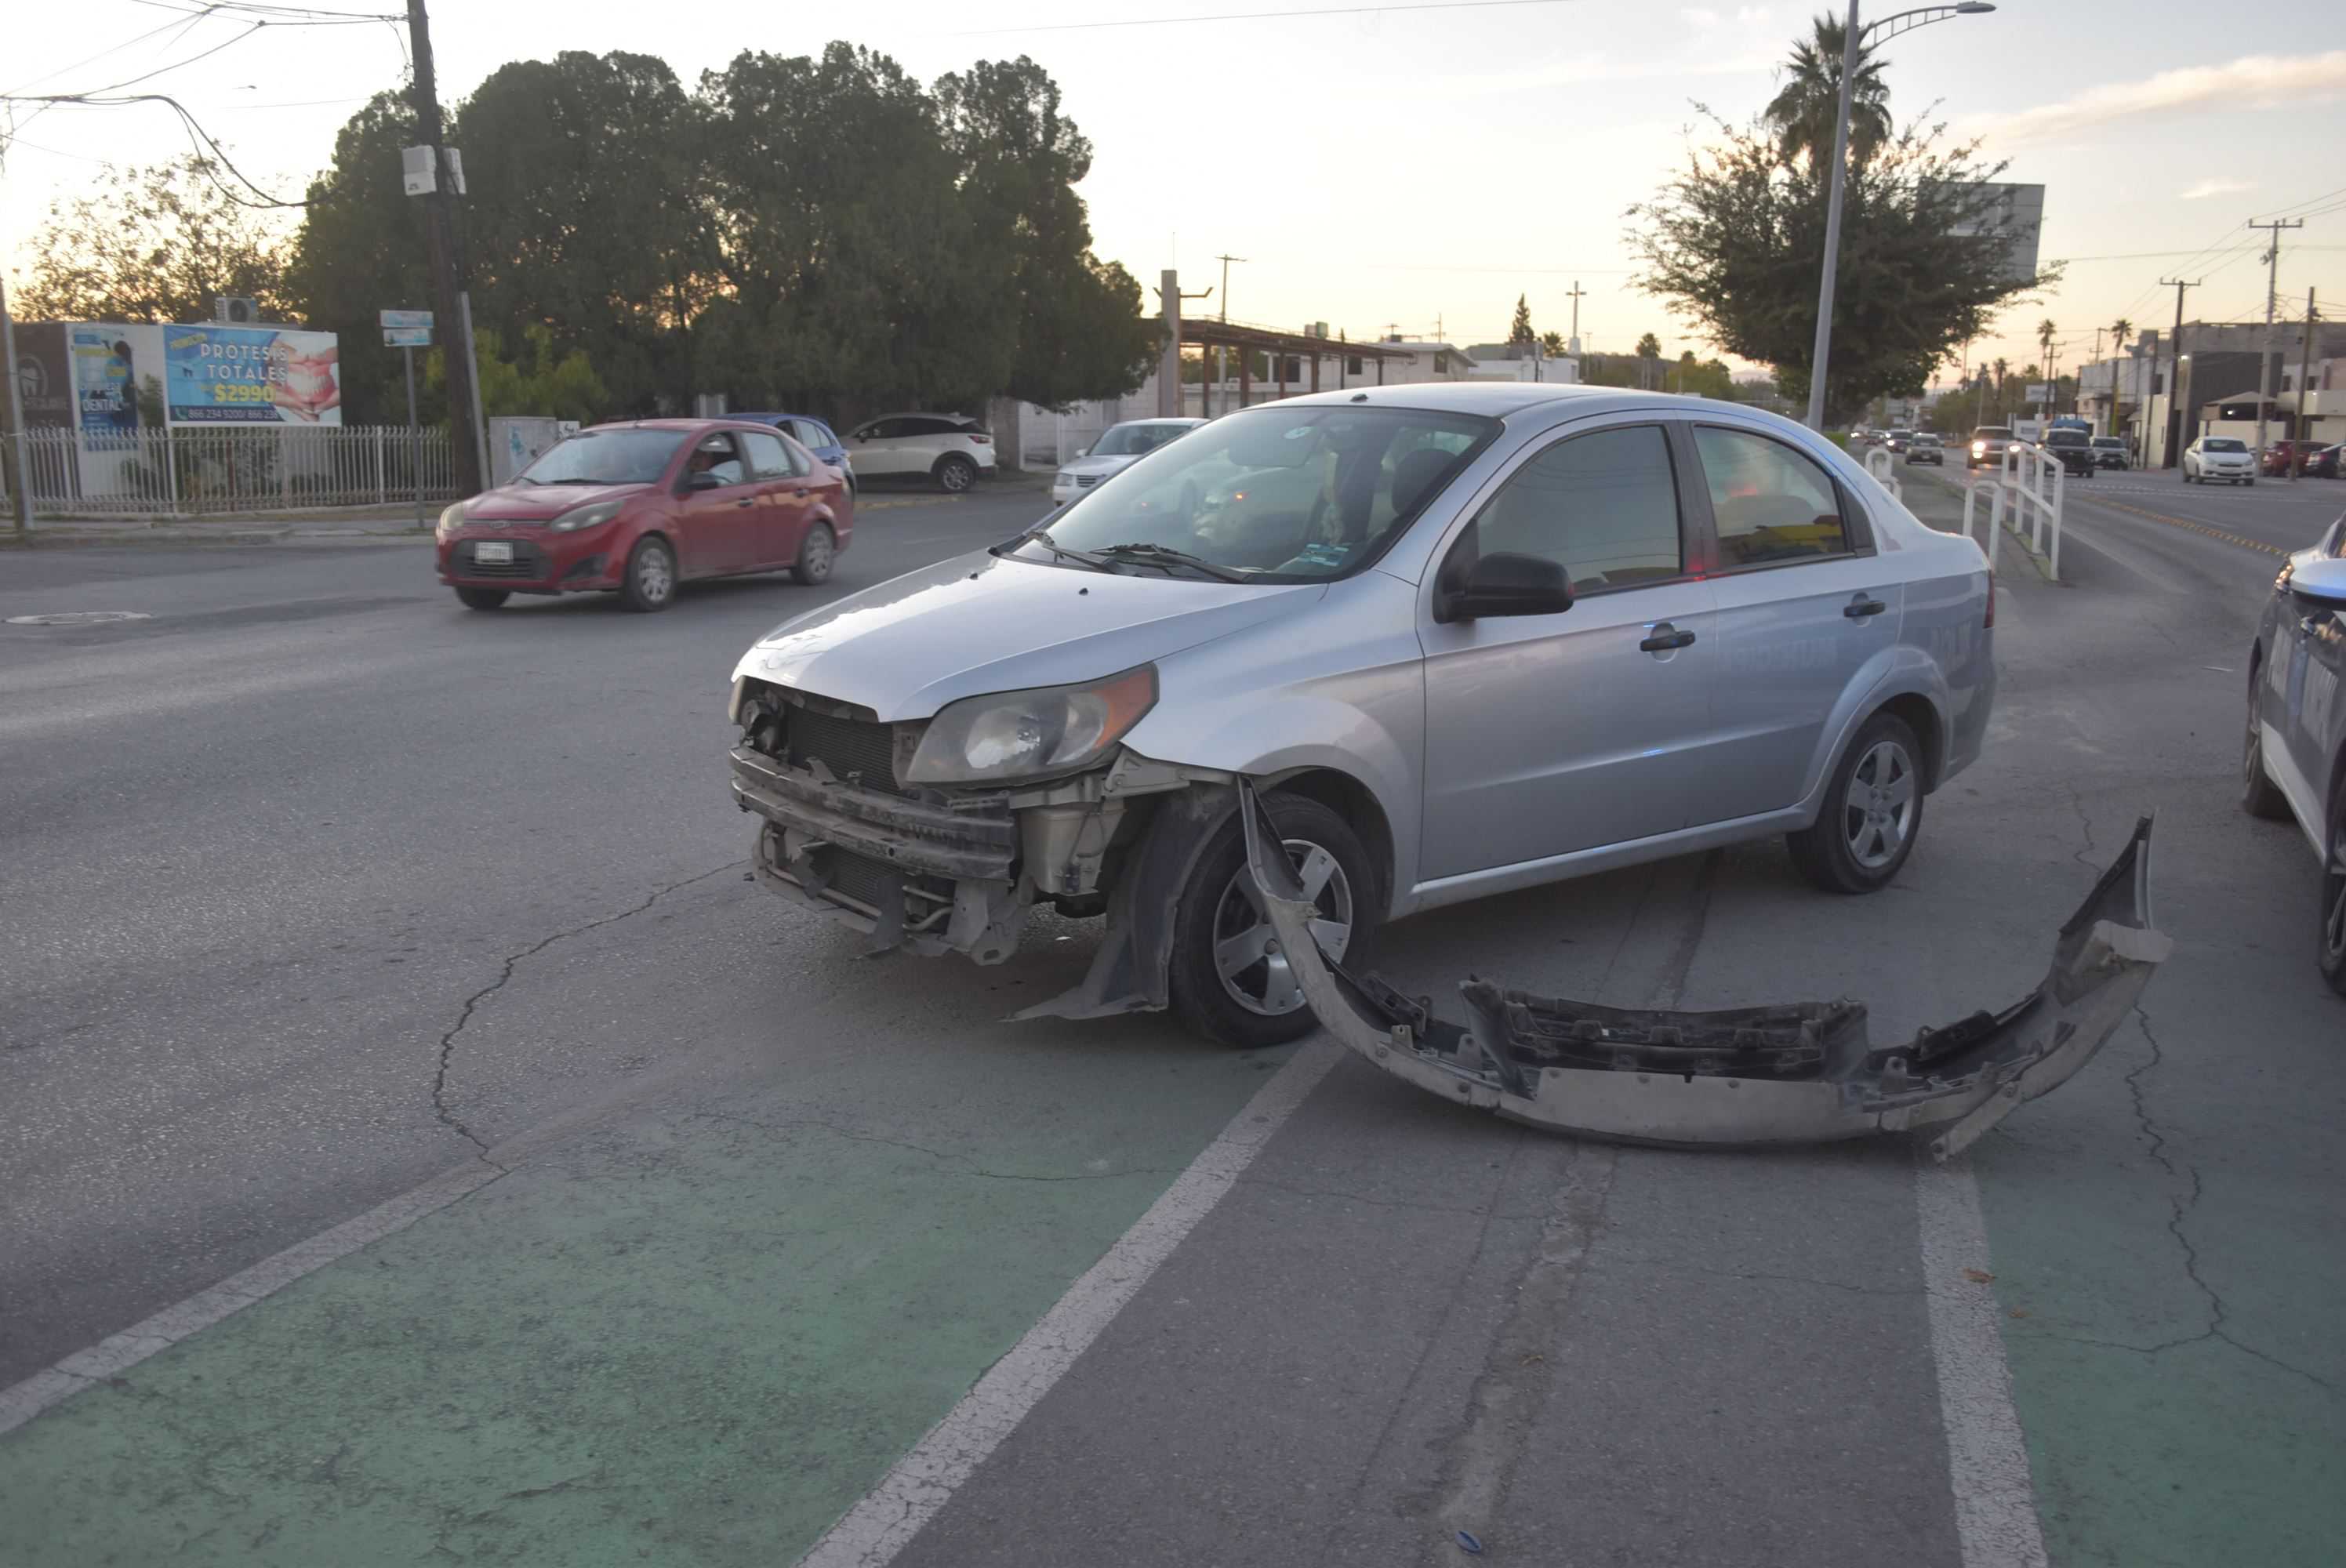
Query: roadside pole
column 438, row 181
column 2304, row 369
column 408, row 330
column 2265, row 360
column 1818, row 354
column 414, row 439
column 2171, row 433
column 20, row 494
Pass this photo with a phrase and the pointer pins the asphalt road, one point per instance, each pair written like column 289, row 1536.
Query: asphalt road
column 318, row 887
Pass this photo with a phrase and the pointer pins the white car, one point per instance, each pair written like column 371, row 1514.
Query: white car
column 1118, row 447
column 2225, row 457
column 952, row 449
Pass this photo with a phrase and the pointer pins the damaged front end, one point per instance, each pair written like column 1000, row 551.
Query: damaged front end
column 1798, row 1072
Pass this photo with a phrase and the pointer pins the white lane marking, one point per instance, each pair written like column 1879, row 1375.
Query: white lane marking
column 872, row 1532
column 112, row 1356
column 1987, row 1461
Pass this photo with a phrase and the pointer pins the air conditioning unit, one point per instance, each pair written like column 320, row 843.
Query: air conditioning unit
column 235, row 311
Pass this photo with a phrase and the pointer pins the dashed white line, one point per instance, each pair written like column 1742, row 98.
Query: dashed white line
column 872, row 1532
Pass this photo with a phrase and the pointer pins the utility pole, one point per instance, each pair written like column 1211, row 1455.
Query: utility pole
column 2077, row 401
column 2304, row 370
column 453, row 302
column 2173, row 432
column 20, row 490
column 1221, row 366
column 1577, row 294
column 2264, row 367
column 1823, row 346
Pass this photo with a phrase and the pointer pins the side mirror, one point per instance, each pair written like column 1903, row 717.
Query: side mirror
column 704, row 480
column 1504, row 584
column 2323, row 582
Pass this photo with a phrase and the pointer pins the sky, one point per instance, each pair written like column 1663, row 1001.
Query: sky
column 1411, row 167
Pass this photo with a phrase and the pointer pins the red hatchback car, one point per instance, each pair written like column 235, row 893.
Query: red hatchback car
column 641, row 507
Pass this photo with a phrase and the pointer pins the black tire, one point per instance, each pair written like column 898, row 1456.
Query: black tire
column 954, row 474
column 2249, row 483
column 1842, row 854
column 1214, row 909
column 818, row 552
column 2259, row 795
column 2332, row 931
column 649, row 582
column 482, row 598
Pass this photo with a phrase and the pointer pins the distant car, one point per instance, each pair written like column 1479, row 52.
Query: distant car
column 1988, row 443
column 950, row 448
column 1896, row 440
column 642, row 507
column 811, row 433
column 2224, row 457
column 2074, row 449
column 1119, row 446
column 1925, row 447
column 2283, row 455
column 2294, row 762
column 2110, row 452
column 2324, row 464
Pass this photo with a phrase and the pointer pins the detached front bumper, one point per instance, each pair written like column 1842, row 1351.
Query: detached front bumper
column 1800, row 1073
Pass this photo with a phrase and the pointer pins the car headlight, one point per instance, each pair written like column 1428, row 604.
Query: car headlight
column 1979, row 448
column 450, row 519
column 593, row 515
column 1025, row 733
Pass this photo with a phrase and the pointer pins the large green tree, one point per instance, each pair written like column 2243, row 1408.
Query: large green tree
column 1732, row 244
column 152, row 244
column 360, row 250
column 1806, row 108
column 1520, row 329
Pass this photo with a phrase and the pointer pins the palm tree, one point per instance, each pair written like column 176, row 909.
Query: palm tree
column 2045, row 331
column 2121, row 329
column 1806, row 106
column 2003, row 369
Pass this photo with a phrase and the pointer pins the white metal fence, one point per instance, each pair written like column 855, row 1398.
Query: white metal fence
column 2028, row 487
column 189, row 472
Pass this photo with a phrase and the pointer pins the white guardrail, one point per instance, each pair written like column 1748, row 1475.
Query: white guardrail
column 2026, row 487
column 186, row 471
column 1885, row 471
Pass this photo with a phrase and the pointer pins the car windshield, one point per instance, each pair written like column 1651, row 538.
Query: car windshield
column 2108, row 441
column 2224, row 443
column 1926, row 441
column 604, row 458
column 1133, row 440
column 2065, row 438
column 1276, row 495
column 1992, row 432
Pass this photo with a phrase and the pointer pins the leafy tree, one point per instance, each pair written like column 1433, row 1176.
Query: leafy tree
column 152, row 244
column 1807, row 107
column 1649, row 347
column 1520, row 331
column 1731, row 244
column 538, row 380
column 1553, row 345
column 360, row 250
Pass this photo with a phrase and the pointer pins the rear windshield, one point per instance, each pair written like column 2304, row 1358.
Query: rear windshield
column 2108, row 441
column 1133, row 440
column 1989, row 431
column 2065, row 438
column 2224, row 443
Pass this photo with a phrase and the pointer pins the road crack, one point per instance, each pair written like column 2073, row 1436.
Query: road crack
column 447, row 1051
column 2084, row 857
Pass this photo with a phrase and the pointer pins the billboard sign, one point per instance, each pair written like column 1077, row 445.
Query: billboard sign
column 407, row 337
column 251, row 375
column 44, row 376
column 391, row 319
column 2016, row 213
column 2038, row 392
column 104, row 384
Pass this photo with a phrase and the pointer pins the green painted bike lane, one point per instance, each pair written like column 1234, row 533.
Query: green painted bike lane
column 695, row 1333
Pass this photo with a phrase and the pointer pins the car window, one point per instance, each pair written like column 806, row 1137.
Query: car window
column 1603, row 507
column 622, row 456
column 717, row 454
column 802, row 462
column 2224, row 443
column 1989, row 431
column 815, row 433
column 930, row 426
column 768, row 457
column 883, row 430
column 1770, row 503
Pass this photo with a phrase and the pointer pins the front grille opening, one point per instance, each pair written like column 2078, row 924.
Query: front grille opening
column 857, row 751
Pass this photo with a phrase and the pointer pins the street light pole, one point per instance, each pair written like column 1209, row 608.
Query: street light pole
column 1852, row 44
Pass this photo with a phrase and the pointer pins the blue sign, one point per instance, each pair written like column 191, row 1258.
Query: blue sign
column 406, row 337
column 251, row 375
column 392, row 319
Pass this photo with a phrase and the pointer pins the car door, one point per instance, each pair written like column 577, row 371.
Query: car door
column 880, row 448
column 716, row 524
column 779, row 475
column 1547, row 733
column 2313, row 687
column 1804, row 602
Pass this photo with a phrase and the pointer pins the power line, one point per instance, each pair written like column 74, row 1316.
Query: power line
column 93, row 59
column 1246, row 16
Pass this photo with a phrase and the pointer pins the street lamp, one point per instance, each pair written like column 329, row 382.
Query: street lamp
column 1851, row 44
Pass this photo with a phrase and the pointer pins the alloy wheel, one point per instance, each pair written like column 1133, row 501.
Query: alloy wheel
column 1254, row 973
column 655, row 579
column 2333, row 898
column 815, row 555
column 1878, row 809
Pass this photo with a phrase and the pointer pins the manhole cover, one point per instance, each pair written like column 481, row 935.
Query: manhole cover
column 79, row 618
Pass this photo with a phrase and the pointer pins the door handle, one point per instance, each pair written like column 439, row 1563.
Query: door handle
column 1666, row 637
column 747, row 500
column 1857, row 609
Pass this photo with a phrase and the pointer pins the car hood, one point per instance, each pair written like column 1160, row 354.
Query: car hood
column 982, row 623
column 530, row 502
column 1096, row 464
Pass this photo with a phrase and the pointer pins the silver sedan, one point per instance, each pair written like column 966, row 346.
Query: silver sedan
column 2294, row 761
column 1463, row 638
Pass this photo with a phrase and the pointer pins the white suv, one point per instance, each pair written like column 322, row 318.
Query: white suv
column 950, row 448
column 2225, row 457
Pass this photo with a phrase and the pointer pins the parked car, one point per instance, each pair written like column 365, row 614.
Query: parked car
column 2074, row 448
column 1896, row 440
column 2110, row 452
column 2283, row 455
column 641, row 507
column 1602, row 628
column 2324, row 464
column 1925, row 447
column 1119, row 446
column 2294, row 761
column 952, row 449
column 1988, row 443
column 813, row 434
column 2225, row 457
